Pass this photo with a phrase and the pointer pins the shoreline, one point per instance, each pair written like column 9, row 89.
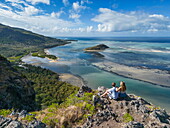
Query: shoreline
column 72, row 79
column 152, row 76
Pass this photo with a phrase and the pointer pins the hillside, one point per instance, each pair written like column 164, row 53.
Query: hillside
column 47, row 86
column 16, row 42
column 16, row 91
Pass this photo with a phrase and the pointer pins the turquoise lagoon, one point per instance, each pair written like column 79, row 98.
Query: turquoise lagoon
column 150, row 52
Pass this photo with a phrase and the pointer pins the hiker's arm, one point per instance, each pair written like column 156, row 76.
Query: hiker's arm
column 118, row 89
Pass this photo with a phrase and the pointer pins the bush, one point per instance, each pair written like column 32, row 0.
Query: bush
column 127, row 118
column 5, row 112
column 29, row 118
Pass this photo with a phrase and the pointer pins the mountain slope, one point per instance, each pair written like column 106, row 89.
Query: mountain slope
column 17, row 42
column 15, row 90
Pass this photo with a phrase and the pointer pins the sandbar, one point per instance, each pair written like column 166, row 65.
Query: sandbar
column 154, row 76
column 72, row 79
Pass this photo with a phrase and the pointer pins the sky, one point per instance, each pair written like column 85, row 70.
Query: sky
column 88, row 18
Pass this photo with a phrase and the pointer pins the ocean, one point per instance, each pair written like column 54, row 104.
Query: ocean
column 146, row 52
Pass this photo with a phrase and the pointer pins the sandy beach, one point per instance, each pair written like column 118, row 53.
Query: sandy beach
column 154, row 76
column 72, row 79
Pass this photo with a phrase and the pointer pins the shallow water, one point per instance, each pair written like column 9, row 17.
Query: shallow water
column 150, row 54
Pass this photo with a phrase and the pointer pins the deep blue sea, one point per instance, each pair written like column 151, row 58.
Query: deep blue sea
column 150, row 52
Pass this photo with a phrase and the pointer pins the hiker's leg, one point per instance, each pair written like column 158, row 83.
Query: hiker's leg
column 106, row 93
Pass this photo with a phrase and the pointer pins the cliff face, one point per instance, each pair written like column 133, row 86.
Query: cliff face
column 15, row 90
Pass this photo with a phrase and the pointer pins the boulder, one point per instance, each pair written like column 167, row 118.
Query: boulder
column 14, row 124
column 82, row 90
column 160, row 116
column 101, row 90
column 36, row 124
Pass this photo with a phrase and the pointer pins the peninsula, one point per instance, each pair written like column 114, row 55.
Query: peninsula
column 16, row 43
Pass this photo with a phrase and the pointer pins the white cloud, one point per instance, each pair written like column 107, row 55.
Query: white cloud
column 57, row 14
column 89, row 28
column 31, row 1
column 39, row 1
column 86, row 1
column 14, row 1
column 5, row 7
column 157, row 16
column 36, row 20
column 153, row 30
column 30, row 10
column 78, row 7
column 74, row 16
column 65, row 2
column 112, row 21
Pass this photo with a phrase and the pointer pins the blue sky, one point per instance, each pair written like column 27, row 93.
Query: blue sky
column 88, row 17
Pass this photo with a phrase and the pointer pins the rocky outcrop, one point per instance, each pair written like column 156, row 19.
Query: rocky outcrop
column 9, row 123
column 96, row 48
column 82, row 90
column 15, row 90
column 130, row 112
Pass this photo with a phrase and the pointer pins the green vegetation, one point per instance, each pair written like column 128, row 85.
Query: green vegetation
column 29, row 118
column 43, row 55
column 74, row 110
column 47, row 86
column 5, row 112
column 15, row 42
column 127, row 118
column 152, row 107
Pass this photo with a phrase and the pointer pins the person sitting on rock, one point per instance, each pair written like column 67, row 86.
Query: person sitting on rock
column 122, row 90
column 112, row 93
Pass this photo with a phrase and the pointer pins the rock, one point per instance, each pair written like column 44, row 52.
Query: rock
column 134, row 124
column 121, row 105
column 14, row 124
column 36, row 124
column 101, row 90
column 125, row 103
column 96, row 99
column 9, row 123
column 22, row 114
column 85, row 88
column 82, row 90
column 4, row 121
column 160, row 116
column 142, row 101
column 143, row 109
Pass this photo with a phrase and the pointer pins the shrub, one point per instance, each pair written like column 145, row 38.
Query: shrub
column 127, row 118
column 5, row 112
column 29, row 118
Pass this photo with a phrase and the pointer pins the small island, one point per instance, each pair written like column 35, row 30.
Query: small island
column 96, row 48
